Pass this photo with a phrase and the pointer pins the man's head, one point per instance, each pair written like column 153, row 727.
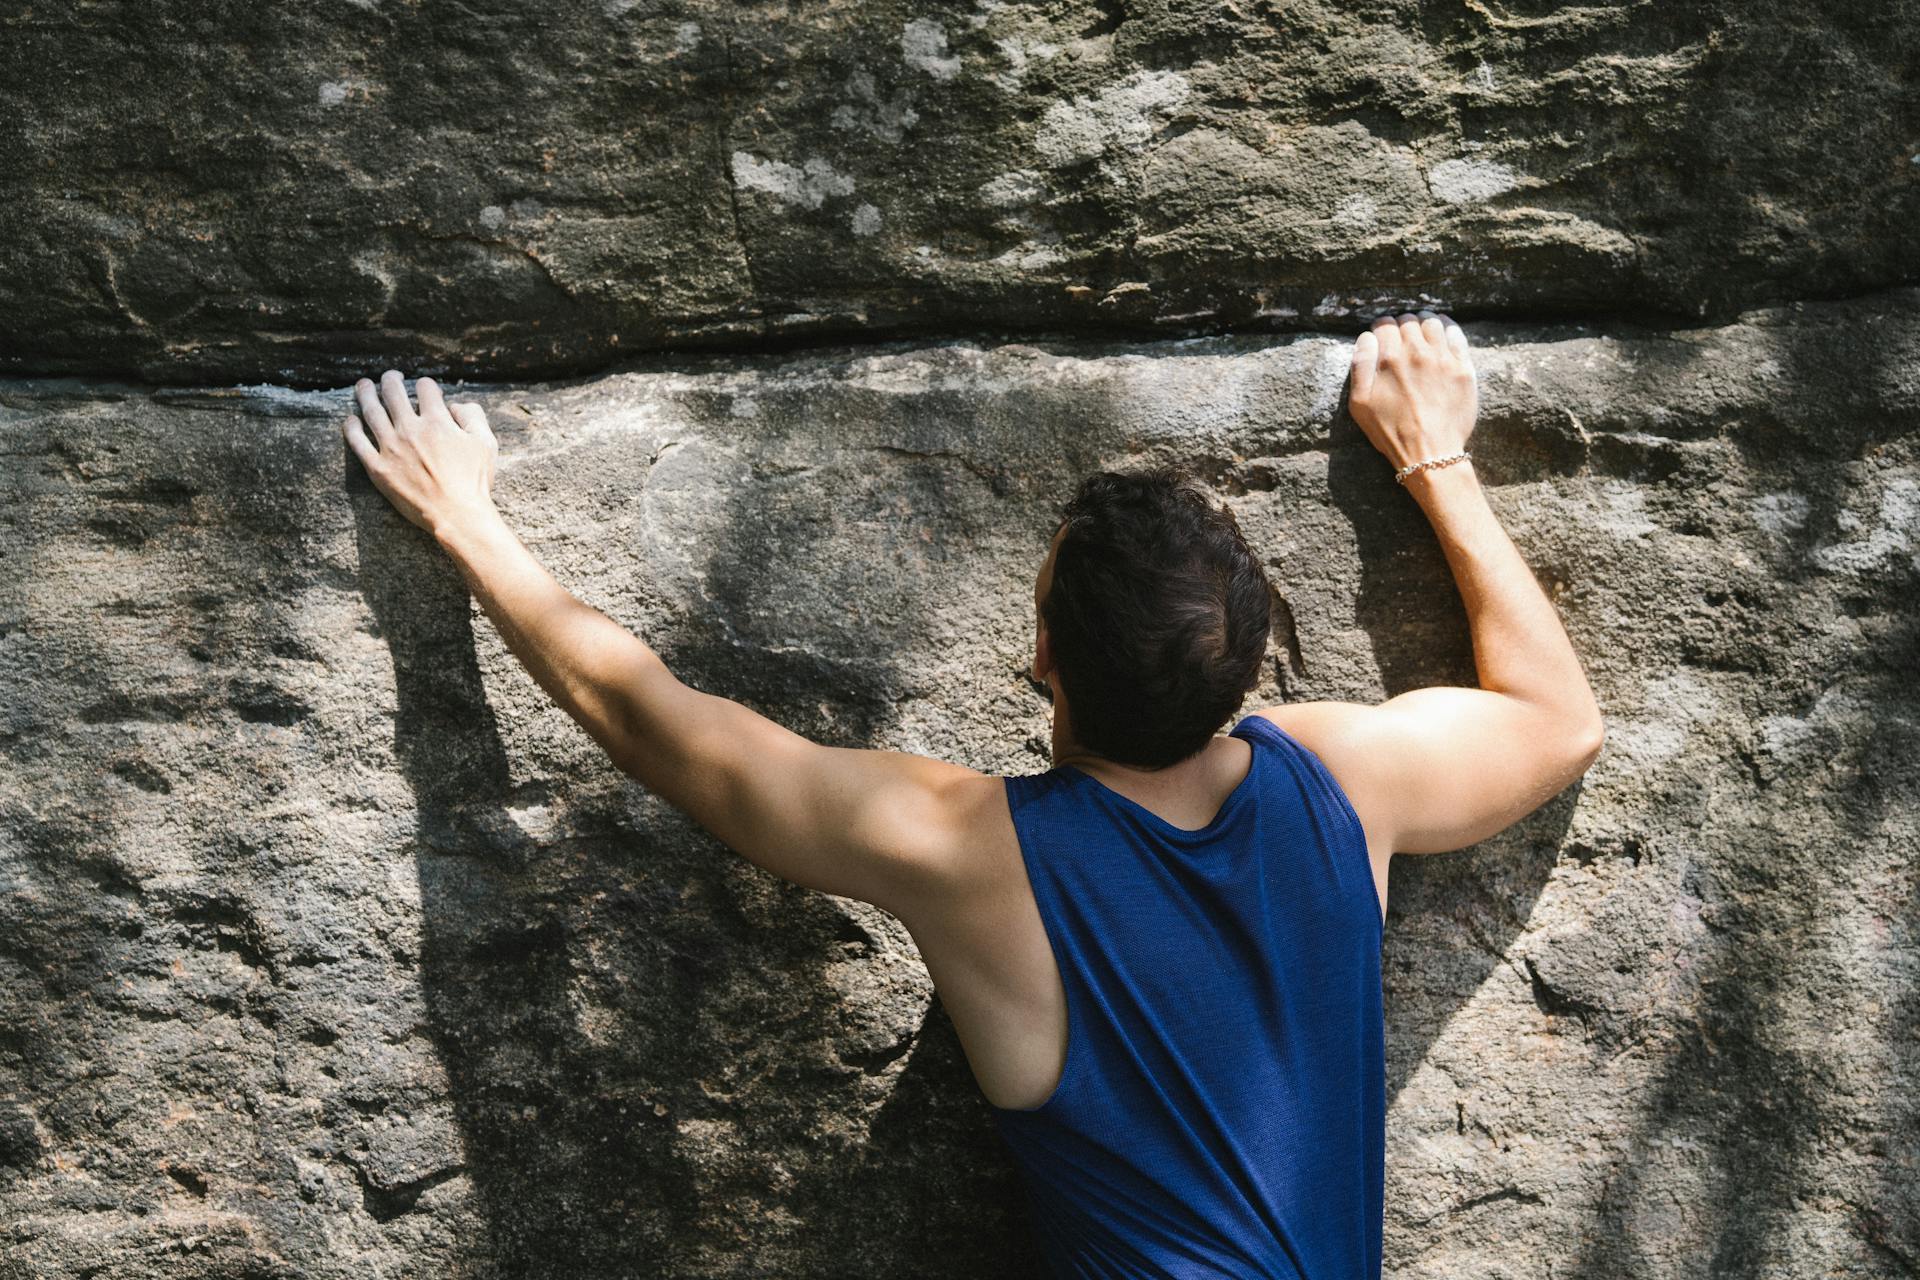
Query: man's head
column 1153, row 614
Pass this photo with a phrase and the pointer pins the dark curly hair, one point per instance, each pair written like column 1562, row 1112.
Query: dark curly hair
column 1158, row 615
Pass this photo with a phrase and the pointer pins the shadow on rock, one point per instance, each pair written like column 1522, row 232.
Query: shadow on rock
column 1784, row 1095
column 570, row 1171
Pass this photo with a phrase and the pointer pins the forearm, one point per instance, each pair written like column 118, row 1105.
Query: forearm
column 596, row 670
column 1520, row 647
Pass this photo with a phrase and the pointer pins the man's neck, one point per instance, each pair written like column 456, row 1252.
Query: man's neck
column 1067, row 751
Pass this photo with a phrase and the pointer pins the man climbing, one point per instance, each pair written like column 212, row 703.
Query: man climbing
column 1162, row 955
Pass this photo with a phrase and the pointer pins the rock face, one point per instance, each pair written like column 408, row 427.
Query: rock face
column 329, row 947
column 292, row 194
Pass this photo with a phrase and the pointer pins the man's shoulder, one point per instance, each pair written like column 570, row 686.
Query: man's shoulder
column 1324, row 728
column 1340, row 734
column 1336, row 734
column 977, row 809
column 959, row 843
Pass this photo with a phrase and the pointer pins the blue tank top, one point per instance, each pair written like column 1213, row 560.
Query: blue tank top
column 1222, row 1111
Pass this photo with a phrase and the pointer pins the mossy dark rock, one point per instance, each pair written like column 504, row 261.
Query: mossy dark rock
column 294, row 194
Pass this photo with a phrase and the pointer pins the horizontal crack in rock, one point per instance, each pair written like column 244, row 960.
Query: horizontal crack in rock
column 1589, row 321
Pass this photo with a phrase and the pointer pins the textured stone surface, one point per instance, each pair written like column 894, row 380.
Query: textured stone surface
column 289, row 193
column 329, row 948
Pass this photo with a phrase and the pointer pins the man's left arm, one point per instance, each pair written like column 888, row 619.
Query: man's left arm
column 878, row 826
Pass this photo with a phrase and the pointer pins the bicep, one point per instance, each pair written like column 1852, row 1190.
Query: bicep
column 862, row 824
column 1443, row 767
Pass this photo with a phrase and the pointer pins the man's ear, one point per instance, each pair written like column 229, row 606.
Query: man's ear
column 1042, row 656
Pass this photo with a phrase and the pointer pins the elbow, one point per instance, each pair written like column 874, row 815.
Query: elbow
column 1570, row 738
column 1587, row 741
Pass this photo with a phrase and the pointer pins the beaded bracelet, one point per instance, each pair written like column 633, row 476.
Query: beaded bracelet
column 1402, row 474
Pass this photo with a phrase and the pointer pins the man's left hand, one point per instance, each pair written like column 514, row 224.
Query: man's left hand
column 435, row 464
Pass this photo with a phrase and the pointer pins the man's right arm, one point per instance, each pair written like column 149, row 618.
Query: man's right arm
column 1444, row 767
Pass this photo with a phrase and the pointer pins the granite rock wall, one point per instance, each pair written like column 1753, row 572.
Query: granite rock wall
column 330, row 948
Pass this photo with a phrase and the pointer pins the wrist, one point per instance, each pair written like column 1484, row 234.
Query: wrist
column 459, row 524
column 1439, row 482
column 1427, row 459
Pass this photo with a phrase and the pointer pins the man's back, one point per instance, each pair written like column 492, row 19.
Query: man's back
column 1222, row 1106
column 1205, row 1092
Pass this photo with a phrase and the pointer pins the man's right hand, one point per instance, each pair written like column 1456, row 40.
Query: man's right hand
column 1413, row 390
